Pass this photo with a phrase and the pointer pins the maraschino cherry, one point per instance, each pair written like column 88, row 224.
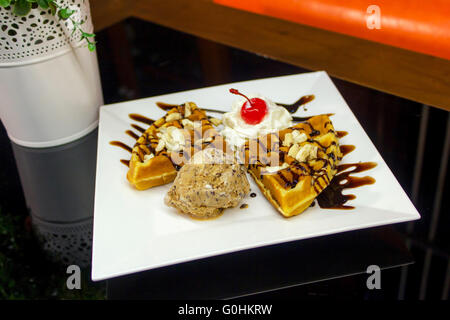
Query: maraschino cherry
column 253, row 110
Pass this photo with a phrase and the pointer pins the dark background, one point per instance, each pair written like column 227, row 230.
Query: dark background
column 139, row 59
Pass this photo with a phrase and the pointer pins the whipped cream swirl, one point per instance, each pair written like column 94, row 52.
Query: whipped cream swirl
column 236, row 131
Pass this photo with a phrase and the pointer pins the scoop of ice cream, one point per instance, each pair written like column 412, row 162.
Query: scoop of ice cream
column 210, row 182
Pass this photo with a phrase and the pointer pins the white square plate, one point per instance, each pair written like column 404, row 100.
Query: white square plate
column 134, row 231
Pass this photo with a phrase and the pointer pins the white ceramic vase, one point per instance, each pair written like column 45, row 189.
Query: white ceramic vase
column 49, row 80
column 50, row 93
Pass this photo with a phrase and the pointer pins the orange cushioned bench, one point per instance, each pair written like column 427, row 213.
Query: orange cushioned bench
column 416, row 25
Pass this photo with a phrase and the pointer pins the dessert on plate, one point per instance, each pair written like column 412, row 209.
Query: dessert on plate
column 291, row 164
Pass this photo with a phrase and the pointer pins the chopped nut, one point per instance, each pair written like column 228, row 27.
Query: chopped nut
column 187, row 109
column 160, row 146
column 299, row 137
column 288, row 140
column 306, row 152
column 173, row 116
column 171, row 137
column 293, row 150
column 147, row 157
column 187, row 124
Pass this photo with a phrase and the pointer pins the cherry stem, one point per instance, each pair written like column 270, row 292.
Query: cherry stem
column 235, row 91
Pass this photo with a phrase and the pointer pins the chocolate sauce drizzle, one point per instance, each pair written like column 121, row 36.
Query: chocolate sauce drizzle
column 135, row 117
column 125, row 162
column 141, row 118
column 292, row 108
column 132, row 134
column 332, row 197
column 121, row 145
column 302, row 119
column 138, row 128
column 166, row 106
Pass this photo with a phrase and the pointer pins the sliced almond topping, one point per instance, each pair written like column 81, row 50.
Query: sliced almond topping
column 288, row 140
column 299, row 137
column 293, row 150
column 187, row 109
column 187, row 124
column 147, row 157
column 306, row 153
column 160, row 146
column 171, row 138
column 173, row 116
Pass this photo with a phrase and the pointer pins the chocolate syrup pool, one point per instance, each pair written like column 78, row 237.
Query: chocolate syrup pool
column 332, row 197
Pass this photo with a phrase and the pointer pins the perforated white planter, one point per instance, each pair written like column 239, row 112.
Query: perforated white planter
column 49, row 81
column 50, row 93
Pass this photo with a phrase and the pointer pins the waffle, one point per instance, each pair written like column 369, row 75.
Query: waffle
column 168, row 144
column 306, row 156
